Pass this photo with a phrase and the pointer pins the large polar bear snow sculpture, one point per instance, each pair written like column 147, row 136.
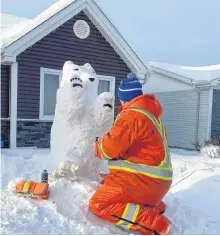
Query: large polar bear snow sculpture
column 79, row 119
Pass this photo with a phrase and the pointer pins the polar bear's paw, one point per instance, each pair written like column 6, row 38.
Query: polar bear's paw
column 104, row 112
column 105, row 100
column 66, row 169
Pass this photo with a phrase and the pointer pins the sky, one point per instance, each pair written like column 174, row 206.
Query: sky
column 184, row 32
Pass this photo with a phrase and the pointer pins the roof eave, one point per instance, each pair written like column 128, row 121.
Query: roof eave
column 172, row 75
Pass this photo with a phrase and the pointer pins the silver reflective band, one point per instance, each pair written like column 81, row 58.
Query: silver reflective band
column 155, row 172
column 130, row 213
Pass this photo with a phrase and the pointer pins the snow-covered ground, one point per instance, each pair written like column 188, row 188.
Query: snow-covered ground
column 193, row 201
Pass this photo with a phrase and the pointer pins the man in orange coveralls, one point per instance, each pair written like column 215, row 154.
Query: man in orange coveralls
column 139, row 162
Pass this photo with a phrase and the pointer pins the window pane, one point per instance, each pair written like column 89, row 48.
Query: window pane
column 104, row 86
column 51, row 84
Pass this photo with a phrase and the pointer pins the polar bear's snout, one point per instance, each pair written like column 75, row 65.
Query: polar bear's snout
column 76, row 82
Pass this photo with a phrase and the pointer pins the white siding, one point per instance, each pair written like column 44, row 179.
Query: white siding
column 218, row 86
column 179, row 116
column 162, row 83
column 204, row 115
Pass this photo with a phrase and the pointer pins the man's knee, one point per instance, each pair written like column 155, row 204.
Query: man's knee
column 95, row 206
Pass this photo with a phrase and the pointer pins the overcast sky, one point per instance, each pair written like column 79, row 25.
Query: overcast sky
column 183, row 32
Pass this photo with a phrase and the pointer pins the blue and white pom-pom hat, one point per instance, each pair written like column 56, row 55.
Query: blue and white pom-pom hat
column 129, row 88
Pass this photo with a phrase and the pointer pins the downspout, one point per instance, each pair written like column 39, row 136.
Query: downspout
column 197, row 118
column 145, row 78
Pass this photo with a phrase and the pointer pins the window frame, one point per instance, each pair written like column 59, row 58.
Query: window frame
column 44, row 71
column 111, row 79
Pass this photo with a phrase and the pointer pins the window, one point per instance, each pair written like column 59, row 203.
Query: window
column 106, row 84
column 49, row 83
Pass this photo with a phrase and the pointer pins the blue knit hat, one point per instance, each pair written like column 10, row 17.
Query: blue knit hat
column 129, row 88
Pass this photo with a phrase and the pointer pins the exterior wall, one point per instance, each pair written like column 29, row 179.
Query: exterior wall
column 5, row 73
column 218, row 86
column 203, row 131
column 33, row 134
column 216, row 113
column 5, row 132
column 162, row 83
column 179, row 117
column 56, row 48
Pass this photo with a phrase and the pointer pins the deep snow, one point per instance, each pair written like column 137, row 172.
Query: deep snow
column 193, row 200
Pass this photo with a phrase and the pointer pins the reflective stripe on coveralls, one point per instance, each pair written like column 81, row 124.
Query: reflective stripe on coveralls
column 163, row 171
column 130, row 214
column 103, row 154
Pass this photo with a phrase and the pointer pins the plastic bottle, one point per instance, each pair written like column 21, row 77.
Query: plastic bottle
column 44, row 177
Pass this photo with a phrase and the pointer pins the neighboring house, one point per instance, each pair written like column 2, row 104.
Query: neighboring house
column 190, row 97
column 33, row 53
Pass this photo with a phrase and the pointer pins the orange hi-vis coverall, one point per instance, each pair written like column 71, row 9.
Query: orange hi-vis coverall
column 140, row 169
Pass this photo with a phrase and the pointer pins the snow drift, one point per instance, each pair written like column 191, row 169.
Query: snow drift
column 193, row 201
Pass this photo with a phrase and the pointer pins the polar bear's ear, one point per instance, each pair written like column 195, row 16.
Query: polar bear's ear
column 67, row 64
column 67, row 68
column 88, row 67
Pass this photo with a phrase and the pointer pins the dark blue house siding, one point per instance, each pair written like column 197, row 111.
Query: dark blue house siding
column 51, row 52
column 56, row 48
column 5, row 73
column 216, row 113
column 5, row 124
column 5, row 132
column 33, row 134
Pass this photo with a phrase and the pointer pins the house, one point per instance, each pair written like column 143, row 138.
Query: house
column 33, row 52
column 190, row 97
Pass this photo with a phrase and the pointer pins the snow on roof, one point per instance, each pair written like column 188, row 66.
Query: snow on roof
column 8, row 21
column 197, row 74
column 24, row 25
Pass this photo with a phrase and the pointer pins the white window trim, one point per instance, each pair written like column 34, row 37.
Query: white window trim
column 42, row 72
column 111, row 79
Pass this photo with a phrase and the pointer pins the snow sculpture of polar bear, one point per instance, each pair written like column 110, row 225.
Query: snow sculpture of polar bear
column 79, row 119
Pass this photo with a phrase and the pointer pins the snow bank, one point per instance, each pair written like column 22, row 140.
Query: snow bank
column 193, row 200
column 212, row 151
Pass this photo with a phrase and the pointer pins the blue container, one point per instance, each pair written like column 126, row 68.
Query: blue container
column 2, row 144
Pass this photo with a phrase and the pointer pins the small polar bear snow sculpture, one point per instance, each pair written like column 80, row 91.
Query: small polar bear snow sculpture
column 79, row 119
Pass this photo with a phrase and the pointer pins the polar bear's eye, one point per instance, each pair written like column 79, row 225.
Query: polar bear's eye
column 76, row 69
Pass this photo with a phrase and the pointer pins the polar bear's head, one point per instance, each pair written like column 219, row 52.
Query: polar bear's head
column 79, row 76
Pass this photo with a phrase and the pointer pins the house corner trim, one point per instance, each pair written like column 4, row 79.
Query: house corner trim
column 13, row 104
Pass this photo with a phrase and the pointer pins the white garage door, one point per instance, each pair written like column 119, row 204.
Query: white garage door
column 179, row 116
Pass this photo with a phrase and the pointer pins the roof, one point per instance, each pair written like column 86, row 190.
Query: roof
column 23, row 35
column 202, row 74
